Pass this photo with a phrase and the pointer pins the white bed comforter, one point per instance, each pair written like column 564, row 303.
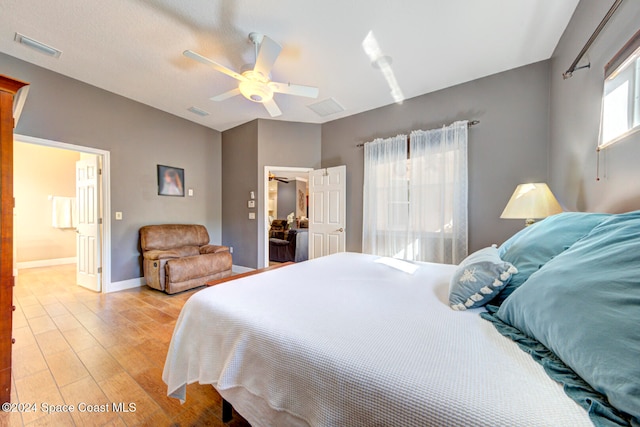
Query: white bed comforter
column 345, row 341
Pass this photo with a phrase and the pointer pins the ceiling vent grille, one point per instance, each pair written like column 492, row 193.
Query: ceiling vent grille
column 36, row 45
column 326, row 107
column 198, row 111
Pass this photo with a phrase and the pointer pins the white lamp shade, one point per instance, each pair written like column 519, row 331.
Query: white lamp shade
column 529, row 201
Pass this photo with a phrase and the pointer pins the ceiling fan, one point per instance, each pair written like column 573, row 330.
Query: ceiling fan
column 272, row 177
column 255, row 81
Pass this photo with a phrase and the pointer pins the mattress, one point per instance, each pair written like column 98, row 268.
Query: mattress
column 344, row 340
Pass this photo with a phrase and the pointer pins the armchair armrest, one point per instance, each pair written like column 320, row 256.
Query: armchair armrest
column 213, row 249
column 158, row 254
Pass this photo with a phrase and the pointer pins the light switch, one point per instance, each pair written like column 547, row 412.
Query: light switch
column 252, row 195
column 118, row 216
column 190, row 192
column 252, row 215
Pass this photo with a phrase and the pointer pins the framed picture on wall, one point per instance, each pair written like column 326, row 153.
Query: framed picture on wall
column 170, row 181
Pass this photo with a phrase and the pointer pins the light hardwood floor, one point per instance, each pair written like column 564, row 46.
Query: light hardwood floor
column 73, row 345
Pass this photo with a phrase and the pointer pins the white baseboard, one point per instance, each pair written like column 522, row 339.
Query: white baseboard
column 46, row 262
column 126, row 284
column 240, row 269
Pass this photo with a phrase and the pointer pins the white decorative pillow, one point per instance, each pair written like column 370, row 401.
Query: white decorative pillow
column 478, row 279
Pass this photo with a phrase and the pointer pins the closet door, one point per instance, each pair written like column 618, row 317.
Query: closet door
column 8, row 88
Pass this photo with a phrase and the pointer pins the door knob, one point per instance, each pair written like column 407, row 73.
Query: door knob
column 340, row 230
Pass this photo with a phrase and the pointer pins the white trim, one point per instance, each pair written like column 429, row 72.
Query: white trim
column 127, row 284
column 46, row 262
column 18, row 103
column 238, row 269
column 106, row 196
column 265, row 223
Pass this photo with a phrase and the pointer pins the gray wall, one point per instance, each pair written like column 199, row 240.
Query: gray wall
column 246, row 150
column 240, row 177
column 286, row 199
column 138, row 137
column 575, row 116
column 507, row 148
column 286, row 144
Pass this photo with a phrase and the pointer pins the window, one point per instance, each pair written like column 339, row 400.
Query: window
column 397, row 191
column 621, row 96
column 416, row 208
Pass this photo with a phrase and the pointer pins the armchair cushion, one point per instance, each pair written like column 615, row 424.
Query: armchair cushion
column 172, row 253
column 212, row 249
column 194, row 267
column 171, row 236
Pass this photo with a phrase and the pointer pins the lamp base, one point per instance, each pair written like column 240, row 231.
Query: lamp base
column 529, row 221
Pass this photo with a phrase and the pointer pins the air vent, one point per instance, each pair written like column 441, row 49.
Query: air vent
column 198, row 111
column 36, row 45
column 326, row 107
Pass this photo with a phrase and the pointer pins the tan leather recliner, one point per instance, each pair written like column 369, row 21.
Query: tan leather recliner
column 178, row 257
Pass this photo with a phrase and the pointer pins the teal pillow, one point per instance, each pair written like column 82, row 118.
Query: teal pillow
column 584, row 306
column 478, row 279
column 534, row 246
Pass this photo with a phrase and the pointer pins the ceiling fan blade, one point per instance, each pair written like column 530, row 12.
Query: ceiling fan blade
column 267, row 55
column 298, row 90
column 206, row 61
column 272, row 108
column 226, row 95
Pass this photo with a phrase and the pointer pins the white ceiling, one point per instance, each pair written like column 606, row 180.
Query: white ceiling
column 134, row 47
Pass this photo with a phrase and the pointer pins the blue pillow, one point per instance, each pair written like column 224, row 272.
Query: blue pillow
column 584, row 306
column 478, row 279
column 534, row 246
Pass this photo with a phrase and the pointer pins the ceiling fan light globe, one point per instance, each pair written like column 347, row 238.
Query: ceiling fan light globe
column 256, row 91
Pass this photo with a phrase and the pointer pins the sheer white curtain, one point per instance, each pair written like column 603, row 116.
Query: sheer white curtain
column 438, row 191
column 385, row 197
column 416, row 209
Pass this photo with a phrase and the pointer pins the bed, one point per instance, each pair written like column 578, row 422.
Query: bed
column 359, row 340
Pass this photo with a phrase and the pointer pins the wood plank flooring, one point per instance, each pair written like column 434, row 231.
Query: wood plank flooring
column 73, row 345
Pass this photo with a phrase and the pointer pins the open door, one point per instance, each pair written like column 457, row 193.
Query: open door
column 88, row 228
column 327, row 223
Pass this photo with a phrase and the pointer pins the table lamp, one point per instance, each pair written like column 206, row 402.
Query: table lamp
column 530, row 202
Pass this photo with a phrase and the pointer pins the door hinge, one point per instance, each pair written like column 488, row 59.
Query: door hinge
column 100, row 171
column 99, row 220
column 99, row 270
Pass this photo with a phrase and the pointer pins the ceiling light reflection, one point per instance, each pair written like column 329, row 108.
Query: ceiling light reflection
column 383, row 63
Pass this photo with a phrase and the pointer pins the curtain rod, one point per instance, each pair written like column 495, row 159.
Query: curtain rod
column 469, row 124
column 574, row 66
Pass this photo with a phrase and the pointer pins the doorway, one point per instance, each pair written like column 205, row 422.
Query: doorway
column 285, row 193
column 100, row 256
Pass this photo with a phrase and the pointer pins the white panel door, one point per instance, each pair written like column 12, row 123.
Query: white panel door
column 88, row 223
column 327, row 211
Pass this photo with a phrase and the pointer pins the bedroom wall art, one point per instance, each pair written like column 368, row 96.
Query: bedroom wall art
column 170, row 181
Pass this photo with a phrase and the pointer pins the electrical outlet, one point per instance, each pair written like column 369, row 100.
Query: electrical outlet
column 251, row 204
column 230, row 249
column 252, row 215
column 118, row 216
column 190, row 192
